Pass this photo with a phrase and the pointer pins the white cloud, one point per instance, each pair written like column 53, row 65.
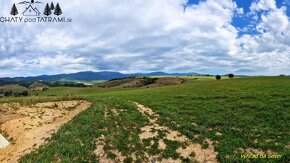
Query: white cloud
column 10, row 62
column 269, row 49
column 263, row 5
column 151, row 35
column 276, row 21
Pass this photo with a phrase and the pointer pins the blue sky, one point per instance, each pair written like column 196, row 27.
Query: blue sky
column 249, row 37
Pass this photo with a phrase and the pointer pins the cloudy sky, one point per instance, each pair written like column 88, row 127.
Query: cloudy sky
column 205, row 36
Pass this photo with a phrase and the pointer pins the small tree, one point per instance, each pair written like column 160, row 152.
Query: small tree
column 148, row 81
column 14, row 10
column 57, row 10
column 218, row 77
column 52, row 6
column 47, row 10
column 8, row 93
column 231, row 75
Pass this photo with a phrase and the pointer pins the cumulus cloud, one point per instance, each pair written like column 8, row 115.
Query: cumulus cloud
column 137, row 35
column 270, row 48
column 262, row 5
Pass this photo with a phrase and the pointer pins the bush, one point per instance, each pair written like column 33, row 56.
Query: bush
column 218, row 77
column 148, row 81
column 8, row 93
column 231, row 75
column 23, row 93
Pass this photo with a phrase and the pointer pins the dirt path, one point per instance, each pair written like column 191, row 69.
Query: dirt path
column 30, row 127
column 192, row 151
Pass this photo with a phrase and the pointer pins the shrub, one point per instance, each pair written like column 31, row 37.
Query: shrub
column 218, row 77
column 231, row 75
column 147, row 81
column 8, row 93
column 23, row 93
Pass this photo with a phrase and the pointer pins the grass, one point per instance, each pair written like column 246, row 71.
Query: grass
column 91, row 82
column 247, row 112
column 194, row 77
column 77, row 91
column 31, row 100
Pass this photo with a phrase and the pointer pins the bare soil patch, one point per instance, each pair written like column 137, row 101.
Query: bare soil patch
column 8, row 115
column 30, row 127
column 101, row 154
column 192, row 151
column 139, row 82
column 167, row 81
column 123, row 83
column 257, row 151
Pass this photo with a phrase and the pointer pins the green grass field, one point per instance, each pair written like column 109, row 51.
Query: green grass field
column 196, row 77
column 248, row 113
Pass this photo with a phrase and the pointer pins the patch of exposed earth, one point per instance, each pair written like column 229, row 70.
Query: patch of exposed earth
column 140, row 82
column 101, row 154
column 30, row 127
column 192, row 151
column 256, row 151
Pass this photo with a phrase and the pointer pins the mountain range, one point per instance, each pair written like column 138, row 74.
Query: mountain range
column 90, row 76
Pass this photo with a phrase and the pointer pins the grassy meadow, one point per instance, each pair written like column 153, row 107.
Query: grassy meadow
column 236, row 114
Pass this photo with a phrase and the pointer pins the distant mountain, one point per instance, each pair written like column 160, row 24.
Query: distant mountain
column 89, row 76
column 152, row 74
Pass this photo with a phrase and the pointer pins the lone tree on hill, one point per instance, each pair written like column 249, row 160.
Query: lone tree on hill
column 14, row 10
column 57, row 10
column 47, row 10
column 218, row 77
column 52, row 6
column 231, row 75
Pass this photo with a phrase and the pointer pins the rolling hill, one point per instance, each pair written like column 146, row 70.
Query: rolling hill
column 89, row 76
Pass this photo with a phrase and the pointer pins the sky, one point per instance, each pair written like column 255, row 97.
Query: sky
column 247, row 37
